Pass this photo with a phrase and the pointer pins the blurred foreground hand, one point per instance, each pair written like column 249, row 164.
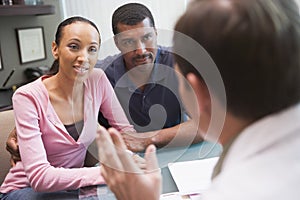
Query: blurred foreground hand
column 122, row 174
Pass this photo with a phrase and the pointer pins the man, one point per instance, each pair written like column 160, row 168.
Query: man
column 145, row 83
column 255, row 46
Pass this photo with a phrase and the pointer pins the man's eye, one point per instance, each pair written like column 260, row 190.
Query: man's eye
column 147, row 37
column 128, row 42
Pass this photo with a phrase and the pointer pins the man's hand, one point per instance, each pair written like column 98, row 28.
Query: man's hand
column 12, row 147
column 122, row 174
column 138, row 142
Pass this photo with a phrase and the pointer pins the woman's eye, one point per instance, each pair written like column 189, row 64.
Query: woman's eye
column 93, row 49
column 73, row 46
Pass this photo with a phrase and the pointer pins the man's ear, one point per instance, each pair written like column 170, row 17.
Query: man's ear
column 116, row 42
column 155, row 31
column 201, row 92
column 54, row 50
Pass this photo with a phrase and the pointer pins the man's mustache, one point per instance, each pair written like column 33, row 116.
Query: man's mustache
column 143, row 56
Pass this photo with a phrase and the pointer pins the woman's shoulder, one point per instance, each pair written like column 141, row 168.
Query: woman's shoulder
column 97, row 78
column 97, row 75
column 34, row 90
column 32, row 87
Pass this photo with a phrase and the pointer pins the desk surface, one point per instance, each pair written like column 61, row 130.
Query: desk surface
column 166, row 155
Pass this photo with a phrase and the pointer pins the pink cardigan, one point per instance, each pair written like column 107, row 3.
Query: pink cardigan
column 51, row 159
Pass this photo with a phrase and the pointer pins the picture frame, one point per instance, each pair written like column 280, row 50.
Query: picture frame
column 31, row 44
column 1, row 63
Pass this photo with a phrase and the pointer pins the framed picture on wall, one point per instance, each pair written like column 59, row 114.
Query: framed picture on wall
column 31, row 44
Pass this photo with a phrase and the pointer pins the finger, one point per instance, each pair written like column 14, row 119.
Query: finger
column 12, row 162
column 16, row 158
column 107, row 152
column 128, row 163
column 13, row 150
column 103, row 173
column 126, row 141
column 117, row 139
column 151, row 159
column 141, row 162
column 12, row 145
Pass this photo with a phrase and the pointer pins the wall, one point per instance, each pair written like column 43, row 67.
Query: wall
column 165, row 12
column 9, row 45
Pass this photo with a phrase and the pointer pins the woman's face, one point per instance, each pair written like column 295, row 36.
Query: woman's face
column 78, row 50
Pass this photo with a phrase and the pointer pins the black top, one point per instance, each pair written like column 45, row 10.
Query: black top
column 75, row 129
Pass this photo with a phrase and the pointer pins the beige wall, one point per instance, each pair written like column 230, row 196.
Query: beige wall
column 165, row 13
column 9, row 45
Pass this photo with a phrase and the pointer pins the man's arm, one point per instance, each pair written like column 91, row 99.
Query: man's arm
column 12, row 147
column 182, row 134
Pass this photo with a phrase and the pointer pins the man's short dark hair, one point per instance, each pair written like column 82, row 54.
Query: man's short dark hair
column 131, row 14
column 255, row 45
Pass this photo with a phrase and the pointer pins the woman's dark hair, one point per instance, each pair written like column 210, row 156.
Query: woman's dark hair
column 54, row 68
column 130, row 14
column 255, row 45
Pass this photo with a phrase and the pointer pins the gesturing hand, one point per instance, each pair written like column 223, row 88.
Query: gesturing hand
column 122, row 174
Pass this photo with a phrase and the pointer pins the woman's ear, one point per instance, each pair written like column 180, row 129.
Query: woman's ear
column 201, row 92
column 54, row 50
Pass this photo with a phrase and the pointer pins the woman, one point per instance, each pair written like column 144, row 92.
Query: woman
column 56, row 118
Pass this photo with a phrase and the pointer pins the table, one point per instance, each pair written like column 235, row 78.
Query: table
column 166, row 155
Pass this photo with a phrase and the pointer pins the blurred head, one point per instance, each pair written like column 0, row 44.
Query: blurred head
column 255, row 45
column 75, row 32
column 135, row 34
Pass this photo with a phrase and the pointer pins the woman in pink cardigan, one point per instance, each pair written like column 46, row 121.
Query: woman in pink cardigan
column 56, row 118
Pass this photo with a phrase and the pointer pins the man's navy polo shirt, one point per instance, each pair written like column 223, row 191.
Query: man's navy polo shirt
column 159, row 105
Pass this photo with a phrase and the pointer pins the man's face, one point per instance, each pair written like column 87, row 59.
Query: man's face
column 137, row 43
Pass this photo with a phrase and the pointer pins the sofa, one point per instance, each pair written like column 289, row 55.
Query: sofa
column 7, row 123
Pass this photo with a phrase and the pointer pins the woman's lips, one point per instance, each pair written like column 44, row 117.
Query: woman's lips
column 81, row 69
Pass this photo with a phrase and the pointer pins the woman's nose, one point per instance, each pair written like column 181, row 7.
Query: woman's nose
column 83, row 56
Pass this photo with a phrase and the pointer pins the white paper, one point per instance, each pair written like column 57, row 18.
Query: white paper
column 192, row 177
column 171, row 196
column 195, row 197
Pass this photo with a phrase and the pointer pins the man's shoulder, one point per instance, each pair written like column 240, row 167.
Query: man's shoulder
column 165, row 48
column 165, row 56
column 111, row 65
column 109, row 62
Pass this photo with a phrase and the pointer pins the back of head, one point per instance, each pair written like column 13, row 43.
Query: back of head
column 255, row 45
column 130, row 14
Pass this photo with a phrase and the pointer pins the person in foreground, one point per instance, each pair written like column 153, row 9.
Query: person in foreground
column 255, row 46
column 56, row 118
